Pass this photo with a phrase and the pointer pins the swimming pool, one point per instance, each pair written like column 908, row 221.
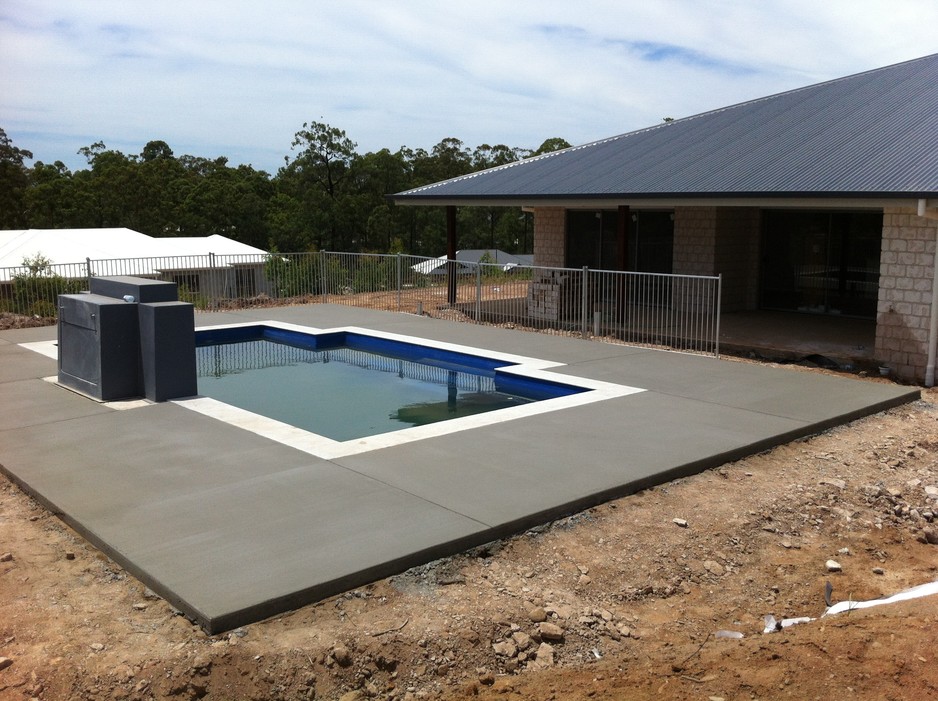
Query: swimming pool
column 346, row 385
column 517, row 386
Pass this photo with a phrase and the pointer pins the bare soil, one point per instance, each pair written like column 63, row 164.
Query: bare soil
column 21, row 321
column 617, row 602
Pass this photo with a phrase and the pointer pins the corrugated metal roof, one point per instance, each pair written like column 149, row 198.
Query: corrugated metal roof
column 874, row 133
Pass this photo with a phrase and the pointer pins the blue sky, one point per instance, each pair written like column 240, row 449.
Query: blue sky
column 238, row 79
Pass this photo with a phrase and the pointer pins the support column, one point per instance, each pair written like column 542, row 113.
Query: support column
column 451, row 254
column 623, row 222
column 622, row 232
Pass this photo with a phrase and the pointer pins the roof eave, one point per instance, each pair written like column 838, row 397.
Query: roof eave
column 870, row 200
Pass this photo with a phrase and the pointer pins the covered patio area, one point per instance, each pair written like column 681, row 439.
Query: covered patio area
column 792, row 337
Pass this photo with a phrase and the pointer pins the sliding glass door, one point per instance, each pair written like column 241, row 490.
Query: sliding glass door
column 821, row 262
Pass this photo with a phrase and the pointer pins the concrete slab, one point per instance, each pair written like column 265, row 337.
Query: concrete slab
column 232, row 527
column 35, row 402
column 521, row 473
column 775, row 391
column 219, row 522
column 18, row 363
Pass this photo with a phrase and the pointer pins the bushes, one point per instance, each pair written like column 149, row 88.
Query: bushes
column 375, row 274
column 35, row 292
column 293, row 275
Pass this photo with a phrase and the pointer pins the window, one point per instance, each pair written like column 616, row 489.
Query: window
column 821, row 262
column 593, row 241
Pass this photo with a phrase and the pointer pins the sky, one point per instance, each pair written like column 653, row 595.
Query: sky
column 238, row 79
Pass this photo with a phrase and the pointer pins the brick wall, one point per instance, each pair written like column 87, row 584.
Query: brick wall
column 905, row 292
column 550, row 250
column 694, row 240
column 550, row 236
column 720, row 241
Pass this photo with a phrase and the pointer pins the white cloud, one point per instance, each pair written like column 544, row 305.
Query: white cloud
column 238, row 78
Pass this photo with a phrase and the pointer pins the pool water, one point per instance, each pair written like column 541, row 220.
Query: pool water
column 346, row 386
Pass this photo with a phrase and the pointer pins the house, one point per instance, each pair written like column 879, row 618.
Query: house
column 474, row 256
column 212, row 264
column 821, row 200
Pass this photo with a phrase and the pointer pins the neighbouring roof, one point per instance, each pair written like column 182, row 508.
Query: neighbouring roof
column 74, row 246
column 474, row 255
column 870, row 134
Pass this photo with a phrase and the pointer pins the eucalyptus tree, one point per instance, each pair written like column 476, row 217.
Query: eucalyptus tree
column 318, row 178
column 218, row 199
column 552, row 144
column 50, row 198
column 378, row 174
column 14, row 182
column 106, row 192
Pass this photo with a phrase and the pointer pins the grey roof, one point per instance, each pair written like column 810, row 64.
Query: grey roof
column 870, row 134
column 492, row 256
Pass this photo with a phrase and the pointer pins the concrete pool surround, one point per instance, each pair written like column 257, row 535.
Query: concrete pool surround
column 232, row 521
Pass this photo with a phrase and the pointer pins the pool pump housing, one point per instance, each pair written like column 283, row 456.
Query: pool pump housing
column 127, row 337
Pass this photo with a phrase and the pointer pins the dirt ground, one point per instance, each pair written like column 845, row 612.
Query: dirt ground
column 18, row 321
column 618, row 602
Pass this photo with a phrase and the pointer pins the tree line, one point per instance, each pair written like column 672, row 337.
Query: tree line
column 326, row 196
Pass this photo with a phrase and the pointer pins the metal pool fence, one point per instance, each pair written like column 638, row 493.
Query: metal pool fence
column 679, row 312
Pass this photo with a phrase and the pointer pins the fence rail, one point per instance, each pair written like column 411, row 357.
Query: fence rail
column 678, row 312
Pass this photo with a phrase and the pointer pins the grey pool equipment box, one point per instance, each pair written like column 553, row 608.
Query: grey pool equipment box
column 167, row 350
column 99, row 346
column 129, row 337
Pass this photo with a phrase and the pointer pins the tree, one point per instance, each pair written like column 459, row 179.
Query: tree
column 553, row 144
column 50, row 199
column 326, row 197
column 286, row 225
column 109, row 191
column 155, row 150
column 162, row 182
column 318, row 177
column 377, row 175
column 228, row 201
column 448, row 159
column 14, row 181
column 486, row 156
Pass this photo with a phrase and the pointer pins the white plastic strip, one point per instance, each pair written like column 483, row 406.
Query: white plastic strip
column 928, row 589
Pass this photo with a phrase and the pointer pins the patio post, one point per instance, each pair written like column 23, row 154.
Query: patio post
column 622, row 234
column 623, row 222
column 451, row 254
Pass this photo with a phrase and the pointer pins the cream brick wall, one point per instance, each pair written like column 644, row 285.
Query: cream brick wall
column 720, row 241
column 550, row 236
column 550, row 250
column 694, row 240
column 905, row 292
